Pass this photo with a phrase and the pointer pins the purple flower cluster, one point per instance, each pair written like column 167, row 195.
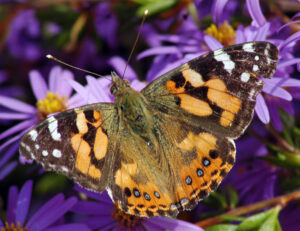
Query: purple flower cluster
column 96, row 36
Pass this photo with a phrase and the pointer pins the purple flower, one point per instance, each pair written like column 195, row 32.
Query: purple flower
column 23, row 40
column 102, row 214
column 98, row 90
column 48, row 217
column 106, row 24
column 29, row 115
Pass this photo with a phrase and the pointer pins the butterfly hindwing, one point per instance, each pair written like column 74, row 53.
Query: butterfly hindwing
column 76, row 143
column 172, row 174
column 217, row 90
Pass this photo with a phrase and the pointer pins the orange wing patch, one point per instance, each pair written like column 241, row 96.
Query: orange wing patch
column 230, row 104
column 82, row 147
column 205, row 172
column 142, row 199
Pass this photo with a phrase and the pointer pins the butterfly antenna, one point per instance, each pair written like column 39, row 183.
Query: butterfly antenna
column 135, row 42
column 71, row 66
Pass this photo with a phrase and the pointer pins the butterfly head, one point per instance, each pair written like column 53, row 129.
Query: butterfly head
column 118, row 83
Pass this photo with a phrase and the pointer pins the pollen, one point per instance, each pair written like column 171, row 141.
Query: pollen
column 125, row 220
column 52, row 103
column 12, row 227
column 225, row 34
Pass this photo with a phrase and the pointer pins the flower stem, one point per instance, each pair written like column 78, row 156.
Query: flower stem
column 281, row 200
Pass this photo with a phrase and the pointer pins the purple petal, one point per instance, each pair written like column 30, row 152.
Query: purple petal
column 23, row 125
column 12, row 140
column 119, row 65
column 170, row 67
column 16, row 105
column 55, row 78
column 54, row 214
column 255, row 12
column 275, row 119
column 38, row 85
column 76, row 101
column 294, row 37
column 287, row 24
column 296, row 15
column 1, row 224
column 64, row 88
column 52, row 203
column 240, row 36
column 91, row 207
column 171, row 224
column 98, row 92
column 23, row 202
column 288, row 62
column 12, row 204
column 277, row 91
column 283, row 82
column 262, row 32
column 81, row 90
column 8, row 168
column 218, row 9
column 8, row 154
column 105, row 223
column 212, row 43
column 69, row 227
column 14, row 116
column 160, row 51
column 261, row 109
column 137, row 85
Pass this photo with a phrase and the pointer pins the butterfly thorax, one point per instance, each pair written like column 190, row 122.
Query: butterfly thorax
column 132, row 109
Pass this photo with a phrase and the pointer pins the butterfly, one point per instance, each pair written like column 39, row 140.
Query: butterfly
column 161, row 150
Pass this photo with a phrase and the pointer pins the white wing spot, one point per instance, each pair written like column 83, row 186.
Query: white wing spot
column 256, row 57
column 218, row 52
column 27, row 148
column 64, row 169
column 37, row 146
column 225, row 59
column 56, row 153
column 245, row 77
column 33, row 134
column 255, row 68
column 52, row 126
column 248, row 47
column 45, row 153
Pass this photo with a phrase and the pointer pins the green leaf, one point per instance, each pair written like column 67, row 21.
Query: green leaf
column 271, row 223
column 232, row 218
column 221, row 198
column 254, row 221
column 222, row 227
column 51, row 182
column 233, row 196
column 155, row 7
column 290, row 183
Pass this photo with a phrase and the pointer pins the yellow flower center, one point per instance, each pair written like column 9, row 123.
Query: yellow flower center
column 12, row 227
column 125, row 220
column 50, row 104
column 225, row 34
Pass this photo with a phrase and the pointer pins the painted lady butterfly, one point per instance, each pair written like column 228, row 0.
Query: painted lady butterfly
column 163, row 149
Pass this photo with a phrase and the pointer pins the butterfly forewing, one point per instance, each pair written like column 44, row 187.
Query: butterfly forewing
column 74, row 143
column 217, row 90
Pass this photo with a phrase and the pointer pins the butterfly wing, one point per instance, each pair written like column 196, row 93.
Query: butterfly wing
column 197, row 108
column 217, row 90
column 181, row 166
column 78, row 143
